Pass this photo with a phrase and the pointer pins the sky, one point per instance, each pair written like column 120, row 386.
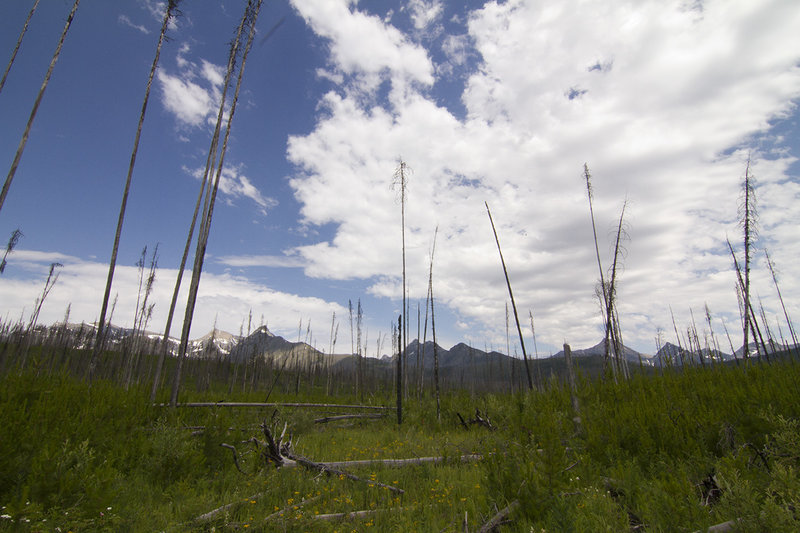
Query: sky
column 498, row 103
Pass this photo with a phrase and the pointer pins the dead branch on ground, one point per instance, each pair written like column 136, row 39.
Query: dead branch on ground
column 481, row 420
column 500, row 518
column 235, row 456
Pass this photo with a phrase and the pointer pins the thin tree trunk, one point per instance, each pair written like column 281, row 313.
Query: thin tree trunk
column 433, row 333
column 19, row 42
column 749, row 229
column 21, row 148
column 780, row 297
column 251, row 14
column 165, row 340
column 536, row 354
column 48, row 286
column 400, row 178
column 419, row 331
column 399, row 370
column 204, row 192
column 677, row 338
column 513, row 303
column 588, row 178
column 98, row 344
column 421, row 384
column 611, row 295
column 573, row 389
column 748, row 316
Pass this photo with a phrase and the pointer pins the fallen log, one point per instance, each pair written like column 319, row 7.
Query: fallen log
column 724, row 527
column 278, row 451
column 324, row 467
column 352, row 514
column 326, row 419
column 499, row 518
column 387, row 462
column 260, row 404
column 212, row 513
column 399, row 462
column 293, row 507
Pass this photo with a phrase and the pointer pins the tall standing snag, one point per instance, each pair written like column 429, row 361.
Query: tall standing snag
column 168, row 13
column 400, row 181
column 780, row 297
column 612, row 326
column 588, row 177
column 250, row 16
column 748, row 217
column 513, row 303
column 21, row 148
column 433, row 333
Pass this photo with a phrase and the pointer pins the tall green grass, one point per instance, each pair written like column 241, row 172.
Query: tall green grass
column 648, row 453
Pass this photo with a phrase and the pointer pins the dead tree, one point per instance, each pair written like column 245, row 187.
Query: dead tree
column 513, row 303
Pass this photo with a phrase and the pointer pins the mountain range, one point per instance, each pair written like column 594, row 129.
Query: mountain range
column 263, row 343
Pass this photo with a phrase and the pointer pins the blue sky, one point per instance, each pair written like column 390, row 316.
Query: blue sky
column 498, row 102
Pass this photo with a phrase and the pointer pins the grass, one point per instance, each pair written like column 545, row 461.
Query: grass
column 678, row 452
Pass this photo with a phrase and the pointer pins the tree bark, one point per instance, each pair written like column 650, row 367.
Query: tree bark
column 19, row 42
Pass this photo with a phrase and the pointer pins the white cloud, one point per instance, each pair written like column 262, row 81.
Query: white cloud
column 191, row 104
column 223, row 299
column 233, row 184
column 194, row 93
column 124, row 20
column 664, row 108
column 215, row 74
column 181, row 60
column 456, row 48
column 279, row 261
column 365, row 45
column 424, row 13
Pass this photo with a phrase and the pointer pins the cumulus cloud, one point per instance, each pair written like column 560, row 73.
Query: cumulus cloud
column 424, row 13
column 193, row 94
column 347, row 29
column 191, row 103
column 664, row 109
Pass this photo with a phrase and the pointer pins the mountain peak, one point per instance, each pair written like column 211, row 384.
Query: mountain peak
column 263, row 330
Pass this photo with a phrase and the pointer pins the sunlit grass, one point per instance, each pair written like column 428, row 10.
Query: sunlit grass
column 103, row 459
